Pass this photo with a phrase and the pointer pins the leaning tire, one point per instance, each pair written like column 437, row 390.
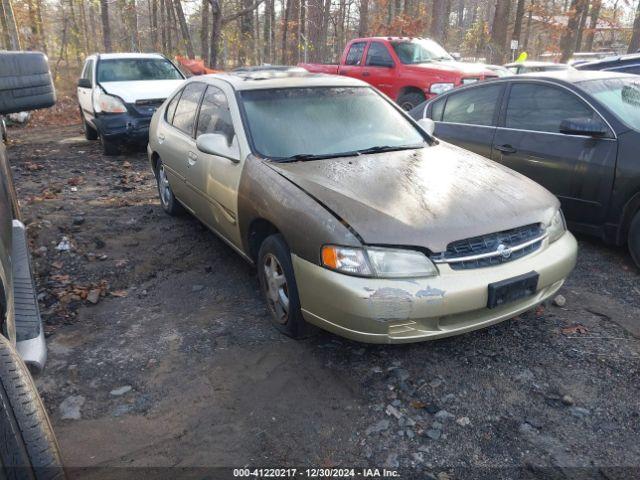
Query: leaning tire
column 634, row 239
column 28, row 446
column 410, row 100
column 168, row 200
column 109, row 148
column 25, row 82
column 279, row 287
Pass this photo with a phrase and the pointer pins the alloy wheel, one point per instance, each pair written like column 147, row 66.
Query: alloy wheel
column 277, row 288
column 163, row 186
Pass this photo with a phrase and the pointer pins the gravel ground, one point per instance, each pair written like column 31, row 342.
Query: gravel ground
column 161, row 353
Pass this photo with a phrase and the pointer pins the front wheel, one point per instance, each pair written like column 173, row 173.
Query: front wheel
column 90, row 133
column 109, row 147
column 28, row 446
column 410, row 100
column 278, row 285
column 634, row 239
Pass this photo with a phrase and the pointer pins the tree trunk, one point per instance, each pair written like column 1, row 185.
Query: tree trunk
column 266, row 34
column 527, row 34
column 246, row 34
column 9, row 25
column 594, row 14
column 163, row 27
column 363, row 25
column 634, row 44
column 499, row 31
column 581, row 25
column 184, row 29
column 438, row 13
column 153, row 6
column 204, row 31
column 216, row 30
column 286, row 5
column 568, row 39
column 517, row 26
column 6, row 40
column 84, row 27
column 106, row 29
column 41, row 33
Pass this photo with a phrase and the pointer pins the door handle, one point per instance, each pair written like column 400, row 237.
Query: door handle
column 365, row 74
column 506, row 149
column 192, row 158
column 161, row 137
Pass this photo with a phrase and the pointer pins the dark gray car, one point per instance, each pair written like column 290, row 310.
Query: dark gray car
column 576, row 133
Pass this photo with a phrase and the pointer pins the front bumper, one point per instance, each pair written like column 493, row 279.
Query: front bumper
column 411, row 310
column 123, row 127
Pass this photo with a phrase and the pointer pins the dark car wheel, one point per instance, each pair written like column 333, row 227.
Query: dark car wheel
column 278, row 285
column 90, row 133
column 28, row 446
column 3, row 129
column 410, row 100
column 109, row 147
column 634, row 239
column 169, row 203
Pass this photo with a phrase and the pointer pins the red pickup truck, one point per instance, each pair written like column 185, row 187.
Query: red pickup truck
column 409, row 70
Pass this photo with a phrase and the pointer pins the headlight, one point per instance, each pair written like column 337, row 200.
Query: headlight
column 439, row 88
column 107, row 103
column 378, row 262
column 556, row 227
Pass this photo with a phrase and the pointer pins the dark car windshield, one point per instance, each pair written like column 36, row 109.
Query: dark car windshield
column 419, row 51
column 620, row 95
column 132, row 69
column 325, row 121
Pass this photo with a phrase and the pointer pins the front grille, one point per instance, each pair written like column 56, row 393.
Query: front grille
column 460, row 255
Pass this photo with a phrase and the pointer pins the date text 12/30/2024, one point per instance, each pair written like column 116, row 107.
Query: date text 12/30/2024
column 315, row 473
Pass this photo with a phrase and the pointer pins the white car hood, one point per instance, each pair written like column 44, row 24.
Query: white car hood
column 131, row 92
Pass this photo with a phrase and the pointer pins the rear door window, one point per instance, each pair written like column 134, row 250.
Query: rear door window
column 475, row 106
column 185, row 113
column 541, row 108
column 354, row 57
column 171, row 108
column 378, row 55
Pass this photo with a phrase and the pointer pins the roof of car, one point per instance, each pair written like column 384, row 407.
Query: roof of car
column 571, row 75
column 113, row 56
column 631, row 57
column 293, row 78
column 537, row 64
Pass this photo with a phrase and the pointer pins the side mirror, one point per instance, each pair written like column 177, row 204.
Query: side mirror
column 30, row 85
column 583, row 126
column 84, row 83
column 456, row 56
column 217, row 144
column 427, row 125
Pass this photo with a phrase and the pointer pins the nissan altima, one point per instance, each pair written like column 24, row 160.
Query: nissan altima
column 357, row 219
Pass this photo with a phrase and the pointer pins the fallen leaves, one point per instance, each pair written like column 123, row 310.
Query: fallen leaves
column 574, row 329
column 33, row 167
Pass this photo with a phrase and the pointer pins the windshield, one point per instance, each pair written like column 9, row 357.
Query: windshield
column 419, row 51
column 132, row 69
column 620, row 95
column 324, row 121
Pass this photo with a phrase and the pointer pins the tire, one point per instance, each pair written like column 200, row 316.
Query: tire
column 410, row 100
column 3, row 130
column 168, row 200
column 274, row 266
column 633, row 240
column 25, row 82
column 109, row 148
column 90, row 133
column 27, row 439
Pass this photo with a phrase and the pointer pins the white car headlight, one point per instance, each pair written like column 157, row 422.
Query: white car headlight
column 378, row 262
column 556, row 227
column 107, row 103
column 439, row 88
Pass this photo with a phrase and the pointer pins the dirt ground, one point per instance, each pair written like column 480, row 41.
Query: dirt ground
column 162, row 308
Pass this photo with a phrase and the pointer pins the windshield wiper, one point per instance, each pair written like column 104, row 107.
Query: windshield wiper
column 300, row 157
column 387, row 148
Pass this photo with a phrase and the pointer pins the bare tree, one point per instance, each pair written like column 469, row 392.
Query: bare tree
column 634, row 44
column 184, row 29
column 204, row 30
column 517, row 25
column 594, row 14
column 568, row 39
column 9, row 26
column 363, row 25
column 439, row 20
column 106, row 28
column 499, row 30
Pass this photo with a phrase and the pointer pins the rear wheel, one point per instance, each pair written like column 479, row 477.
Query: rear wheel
column 167, row 199
column 28, row 448
column 278, row 285
column 410, row 100
column 634, row 239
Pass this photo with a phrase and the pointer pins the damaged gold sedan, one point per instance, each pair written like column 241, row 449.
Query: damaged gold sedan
column 358, row 220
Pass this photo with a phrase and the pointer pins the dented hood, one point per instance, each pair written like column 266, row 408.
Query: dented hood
column 427, row 197
column 133, row 91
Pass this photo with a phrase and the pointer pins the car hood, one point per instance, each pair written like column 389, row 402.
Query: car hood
column 131, row 92
column 462, row 68
column 427, row 197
